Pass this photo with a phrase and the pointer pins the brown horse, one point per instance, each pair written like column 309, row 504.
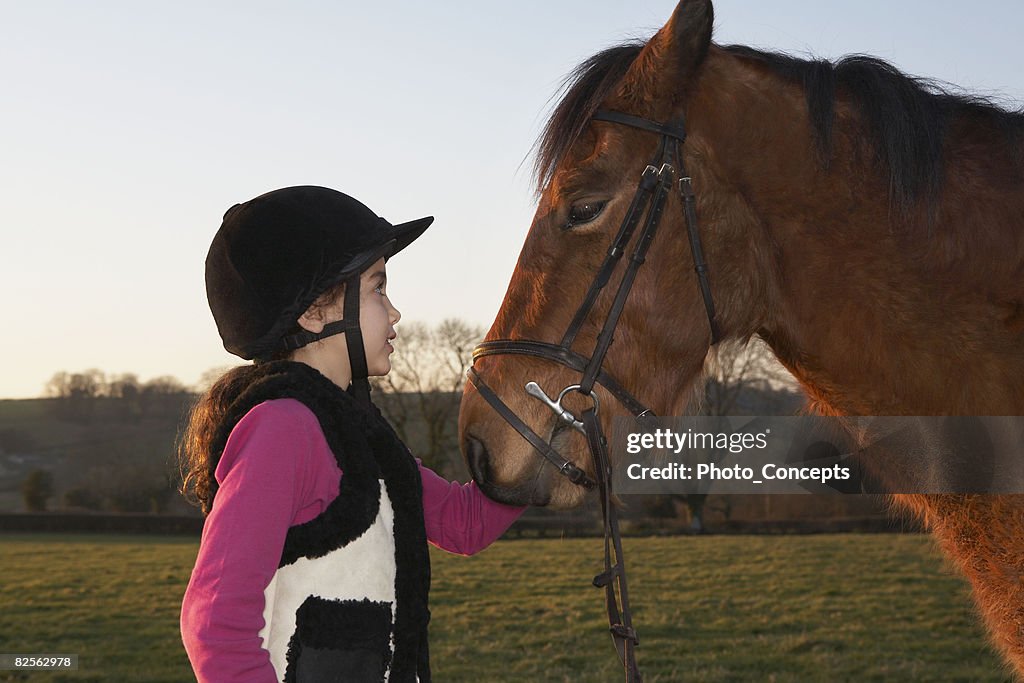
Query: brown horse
column 868, row 225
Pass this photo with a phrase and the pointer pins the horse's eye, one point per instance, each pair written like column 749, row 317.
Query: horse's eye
column 584, row 213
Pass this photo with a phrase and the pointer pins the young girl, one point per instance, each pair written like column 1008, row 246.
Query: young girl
column 313, row 564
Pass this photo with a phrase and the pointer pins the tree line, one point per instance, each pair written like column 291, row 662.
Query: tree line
column 79, row 395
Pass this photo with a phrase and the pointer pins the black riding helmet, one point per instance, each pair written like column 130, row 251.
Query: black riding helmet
column 275, row 254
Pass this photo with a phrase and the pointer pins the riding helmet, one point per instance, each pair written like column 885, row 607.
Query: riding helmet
column 275, row 254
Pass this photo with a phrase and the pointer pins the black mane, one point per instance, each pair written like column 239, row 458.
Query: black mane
column 907, row 117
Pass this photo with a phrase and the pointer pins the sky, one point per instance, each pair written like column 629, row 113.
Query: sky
column 128, row 128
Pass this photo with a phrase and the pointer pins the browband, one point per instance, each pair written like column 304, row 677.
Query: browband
column 672, row 130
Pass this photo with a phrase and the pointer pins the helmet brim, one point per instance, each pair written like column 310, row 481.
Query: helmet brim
column 399, row 237
column 405, row 234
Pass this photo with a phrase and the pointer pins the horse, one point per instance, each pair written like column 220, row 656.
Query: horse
column 866, row 224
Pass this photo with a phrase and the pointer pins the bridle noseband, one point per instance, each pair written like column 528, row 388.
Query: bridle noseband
column 651, row 194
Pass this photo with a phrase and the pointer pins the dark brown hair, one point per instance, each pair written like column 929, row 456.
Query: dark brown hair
column 196, row 460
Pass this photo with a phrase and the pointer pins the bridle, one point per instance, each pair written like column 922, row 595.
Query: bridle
column 656, row 182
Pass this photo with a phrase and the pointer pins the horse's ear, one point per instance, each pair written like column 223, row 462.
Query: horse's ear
column 672, row 56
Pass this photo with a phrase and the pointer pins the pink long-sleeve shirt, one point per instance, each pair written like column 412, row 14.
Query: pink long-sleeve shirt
column 277, row 471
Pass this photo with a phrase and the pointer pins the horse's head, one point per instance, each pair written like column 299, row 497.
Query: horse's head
column 589, row 171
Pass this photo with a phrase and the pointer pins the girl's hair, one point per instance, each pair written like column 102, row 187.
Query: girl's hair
column 196, row 460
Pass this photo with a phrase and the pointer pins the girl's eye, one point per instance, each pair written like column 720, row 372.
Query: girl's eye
column 379, row 289
column 584, row 213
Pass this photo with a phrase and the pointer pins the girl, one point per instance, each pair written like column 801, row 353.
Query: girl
column 313, row 564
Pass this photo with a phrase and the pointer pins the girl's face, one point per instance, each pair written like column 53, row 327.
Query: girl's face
column 377, row 319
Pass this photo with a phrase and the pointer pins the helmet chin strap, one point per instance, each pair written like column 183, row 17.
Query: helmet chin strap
column 360, row 387
column 349, row 325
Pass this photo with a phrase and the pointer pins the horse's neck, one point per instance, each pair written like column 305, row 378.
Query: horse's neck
column 868, row 321
column 862, row 357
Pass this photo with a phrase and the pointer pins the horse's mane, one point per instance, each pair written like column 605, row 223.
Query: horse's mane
column 906, row 117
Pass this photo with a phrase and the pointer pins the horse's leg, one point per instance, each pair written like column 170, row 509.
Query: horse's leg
column 984, row 536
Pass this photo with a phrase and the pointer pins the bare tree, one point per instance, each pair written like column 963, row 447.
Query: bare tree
column 742, row 368
column 164, row 384
column 57, row 386
column 125, row 385
column 125, row 390
column 421, row 393
column 741, row 378
column 162, row 396
column 88, row 384
column 75, row 393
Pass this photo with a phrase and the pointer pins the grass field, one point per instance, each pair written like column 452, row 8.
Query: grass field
column 782, row 608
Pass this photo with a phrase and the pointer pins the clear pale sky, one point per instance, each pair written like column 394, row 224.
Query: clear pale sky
column 128, row 128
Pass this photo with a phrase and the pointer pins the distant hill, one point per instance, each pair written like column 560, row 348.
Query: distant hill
column 101, row 445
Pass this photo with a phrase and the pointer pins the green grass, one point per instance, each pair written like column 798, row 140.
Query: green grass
column 791, row 608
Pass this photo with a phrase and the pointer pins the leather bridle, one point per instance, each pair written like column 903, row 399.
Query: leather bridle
column 651, row 194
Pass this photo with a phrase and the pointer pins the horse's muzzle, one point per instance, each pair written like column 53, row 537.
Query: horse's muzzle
column 531, row 492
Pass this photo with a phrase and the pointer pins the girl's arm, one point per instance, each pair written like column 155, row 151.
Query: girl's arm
column 459, row 517
column 262, row 474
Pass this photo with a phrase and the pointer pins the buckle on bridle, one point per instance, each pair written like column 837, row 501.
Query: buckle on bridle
column 575, row 475
column 533, row 389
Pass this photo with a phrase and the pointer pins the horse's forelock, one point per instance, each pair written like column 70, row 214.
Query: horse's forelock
column 585, row 89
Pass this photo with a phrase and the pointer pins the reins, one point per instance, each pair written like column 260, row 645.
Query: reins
column 647, row 205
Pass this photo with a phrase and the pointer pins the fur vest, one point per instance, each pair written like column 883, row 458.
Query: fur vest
column 349, row 599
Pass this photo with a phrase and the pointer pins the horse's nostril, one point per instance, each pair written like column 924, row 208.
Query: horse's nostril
column 476, row 458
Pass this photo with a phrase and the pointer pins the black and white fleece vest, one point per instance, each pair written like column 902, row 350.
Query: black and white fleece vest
column 349, row 599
